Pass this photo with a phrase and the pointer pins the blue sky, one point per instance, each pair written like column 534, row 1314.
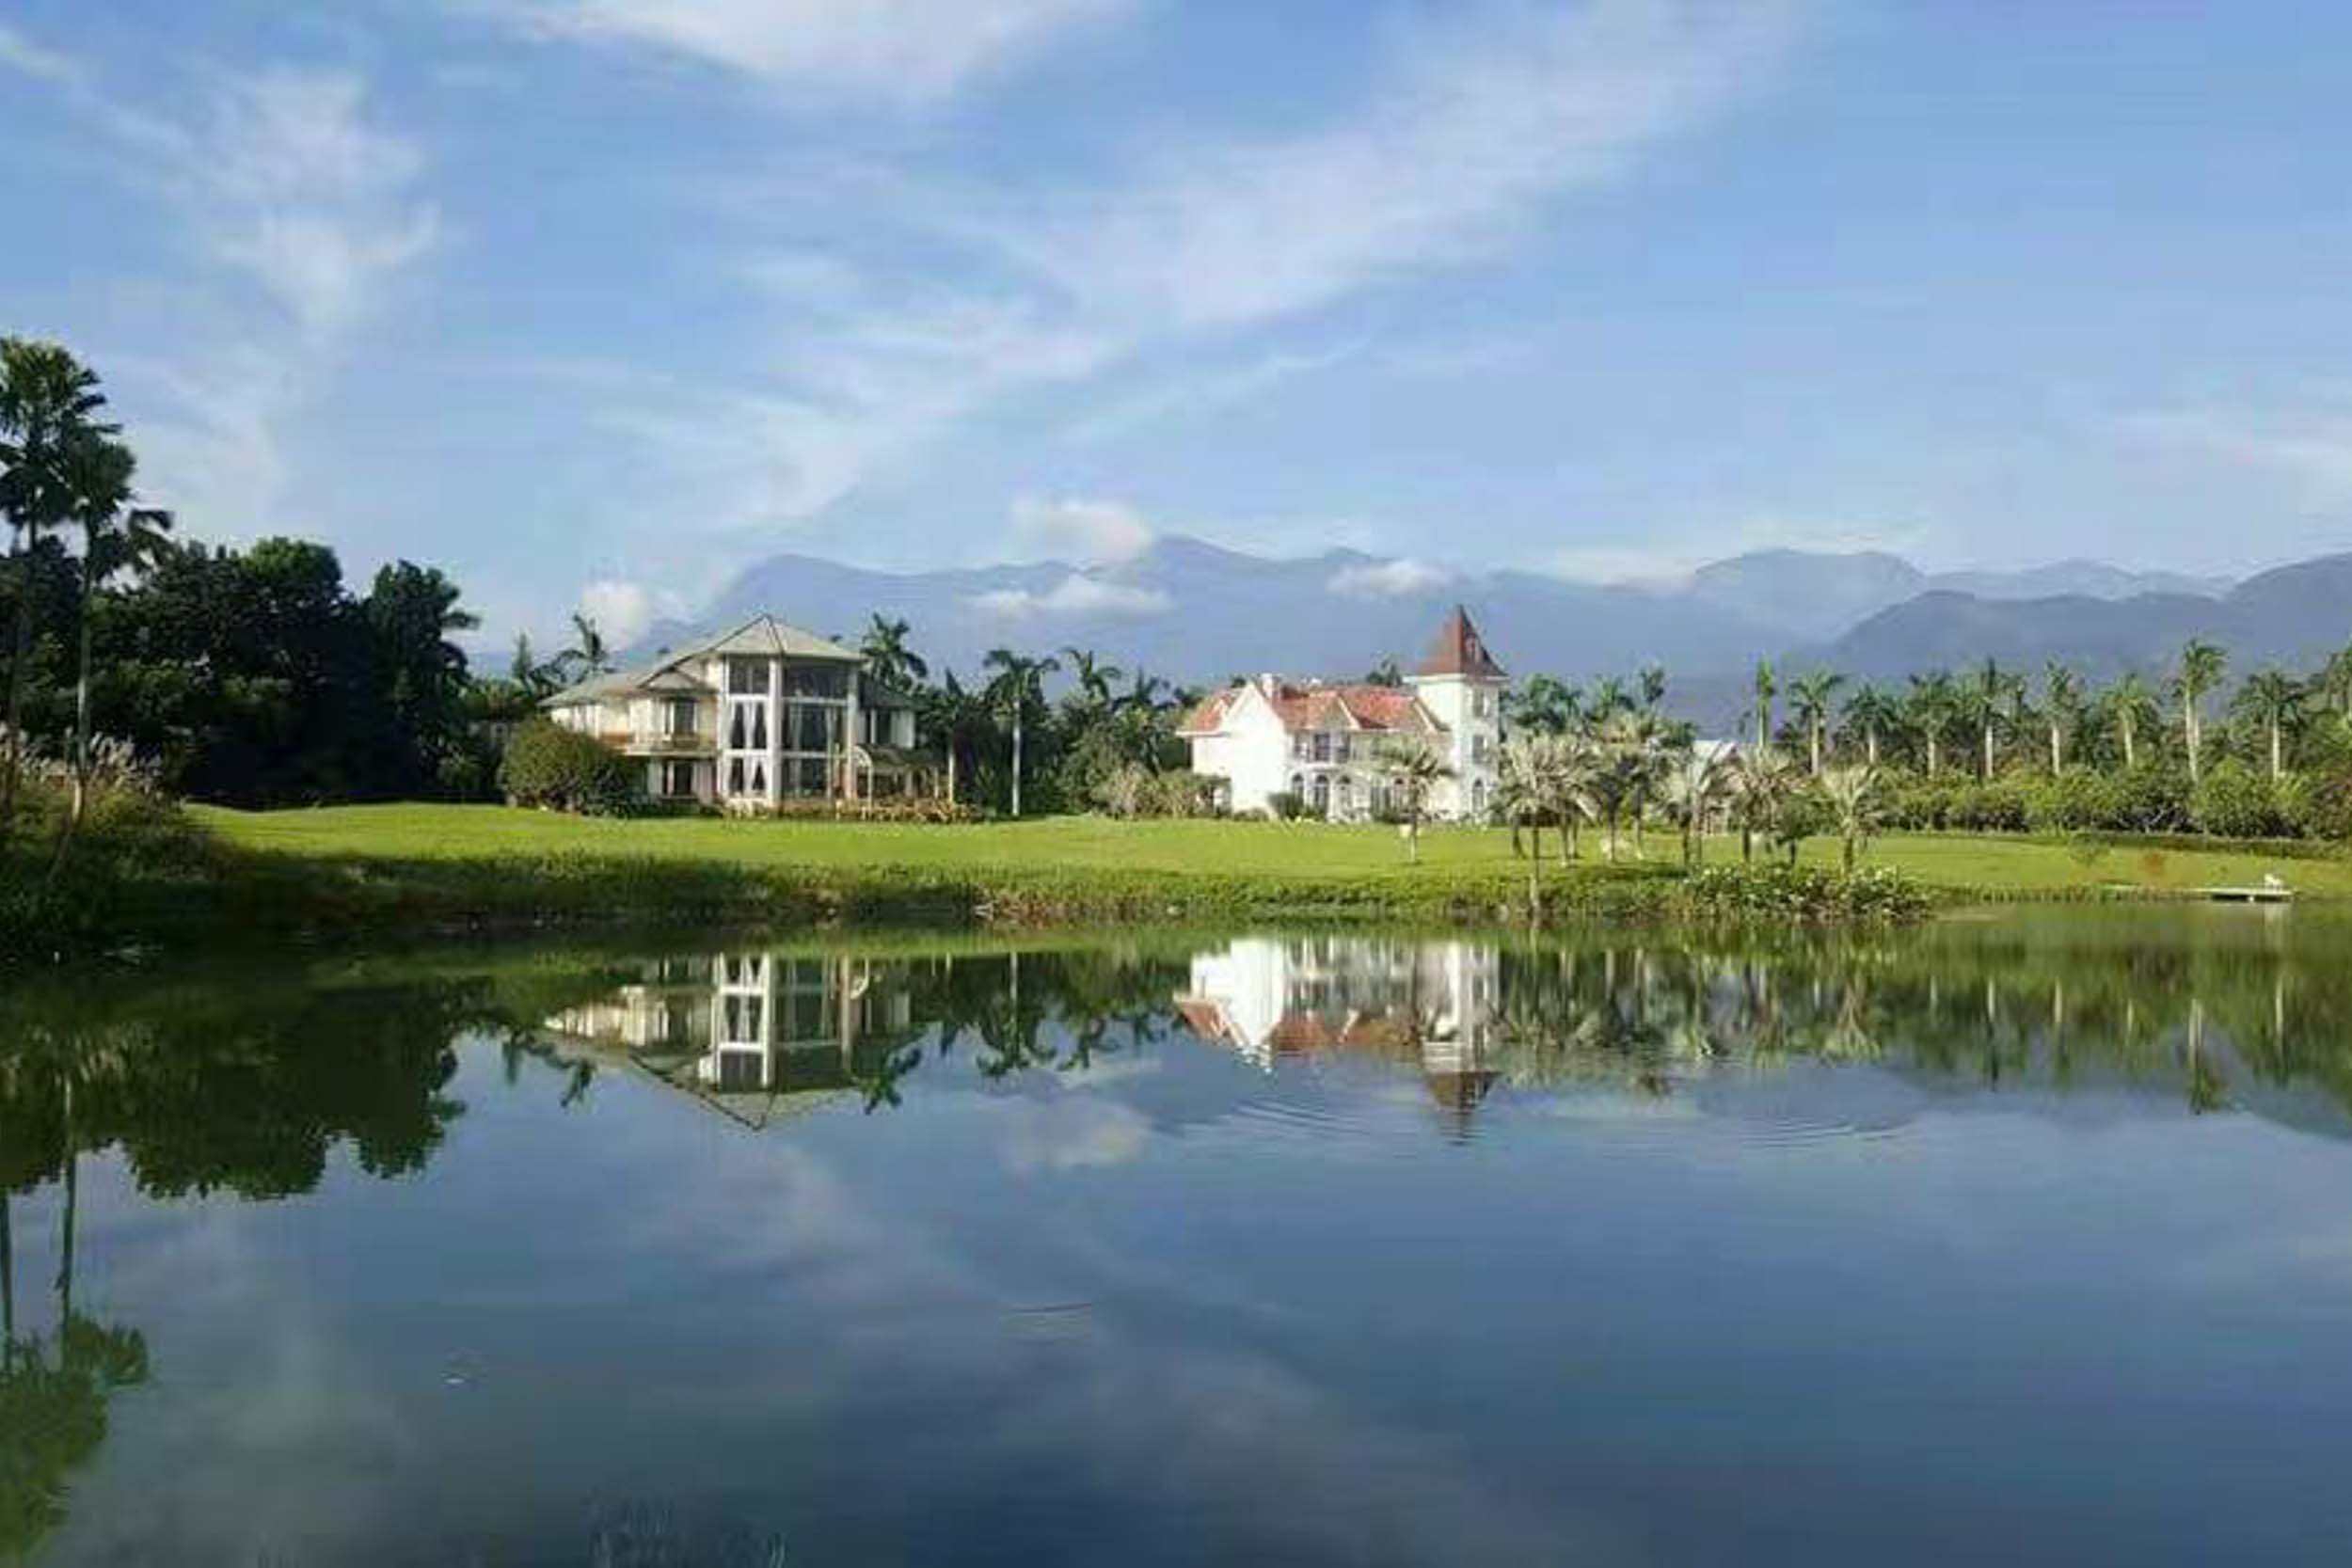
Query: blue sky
column 607, row 297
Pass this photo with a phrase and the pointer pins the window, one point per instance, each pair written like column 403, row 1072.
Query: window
column 815, row 680
column 1323, row 793
column 735, row 775
column 1482, row 703
column 1347, row 794
column 748, row 677
column 678, row 780
column 679, row 715
column 1322, row 746
column 759, row 779
column 811, row 727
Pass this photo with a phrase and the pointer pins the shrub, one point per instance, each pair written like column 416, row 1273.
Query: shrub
column 1803, row 893
column 546, row 765
column 1181, row 792
column 2319, row 806
column 2077, row 801
column 2151, row 799
column 1285, row 805
column 2234, row 801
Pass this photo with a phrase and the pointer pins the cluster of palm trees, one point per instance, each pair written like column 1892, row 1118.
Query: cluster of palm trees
column 2058, row 718
column 1007, row 728
column 62, row 468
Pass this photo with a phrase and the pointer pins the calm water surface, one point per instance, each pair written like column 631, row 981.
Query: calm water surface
column 2022, row 1239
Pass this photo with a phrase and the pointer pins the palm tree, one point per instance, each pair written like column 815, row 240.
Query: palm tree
column 1765, row 690
column 49, row 403
column 2335, row 681
column 1853, row 796
column 1144, row 692
column 1524, row 787
column 1653, row 684
column 894, row 663
column 587, row 656
column 115, row 536
column 2061, row 709
column 1983, row 699
column 1691, row 790
column 1018, row 687
column 1542, row 704
column 1873, row 713
column 1933, row 702
column 2274, row 700
column 2202, row 668
column 1414, row 768
column 2130, row 702
column 1810, row 695
column 1763, row 782
column 960, row 719
column 1094, row 680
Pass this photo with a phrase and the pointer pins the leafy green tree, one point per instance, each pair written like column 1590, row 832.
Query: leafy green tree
column 1542, row 704
column 1874, row 715
column 2132, row 709
column 50, row 407
column 1983, row 700
column 1933, row 705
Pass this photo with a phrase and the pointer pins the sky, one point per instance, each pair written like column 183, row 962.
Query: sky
column 593, row 302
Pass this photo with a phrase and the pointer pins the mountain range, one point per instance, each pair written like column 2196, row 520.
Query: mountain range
column 1198, row 613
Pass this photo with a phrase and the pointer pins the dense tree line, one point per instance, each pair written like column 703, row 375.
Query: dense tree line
column 255, row 676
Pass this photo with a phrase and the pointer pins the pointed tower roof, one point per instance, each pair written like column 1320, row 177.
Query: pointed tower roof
column 1460, row 651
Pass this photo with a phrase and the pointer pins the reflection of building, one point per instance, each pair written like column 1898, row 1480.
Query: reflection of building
column 755, row 1035
column 1428, row 1004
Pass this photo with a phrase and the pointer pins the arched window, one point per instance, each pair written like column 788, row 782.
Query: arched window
column 1323, row 794
column 1347, row 795
column 1298, row 786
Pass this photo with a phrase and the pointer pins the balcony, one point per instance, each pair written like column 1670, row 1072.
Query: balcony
column 662, row 743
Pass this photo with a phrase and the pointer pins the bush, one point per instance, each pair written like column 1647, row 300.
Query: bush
column 1803, row 893
column 2151, row 799
column 546, row 765
column 1285, row 805
column 2318, row 806
column 1995, row 806
column 1181, row 792
column 2234, row 801
column 2077, row 801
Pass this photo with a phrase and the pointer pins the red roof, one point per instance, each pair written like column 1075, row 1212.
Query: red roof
column 1460, row 651
column 1315, row 706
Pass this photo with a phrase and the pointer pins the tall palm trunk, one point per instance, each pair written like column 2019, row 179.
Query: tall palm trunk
column 71, row 824
column 20, row 659
column 2131, row 745
column 2058, row 751
column 1988, row 752
column 2277, row 752
column 1935, row 755
column 1871, row 742
column 1016, row 762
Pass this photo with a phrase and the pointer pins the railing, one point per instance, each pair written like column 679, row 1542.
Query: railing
column 659, row 740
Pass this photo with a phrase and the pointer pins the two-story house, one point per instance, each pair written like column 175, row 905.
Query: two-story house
column 1324, row 743
column 767, row 714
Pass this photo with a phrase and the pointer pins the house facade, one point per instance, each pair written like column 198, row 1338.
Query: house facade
column 1324, row 741
column 765, row 715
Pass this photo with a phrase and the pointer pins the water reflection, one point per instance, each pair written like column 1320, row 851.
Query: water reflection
column 248, row 1092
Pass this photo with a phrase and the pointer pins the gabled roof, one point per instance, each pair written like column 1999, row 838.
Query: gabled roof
column 623, row 683
column 763, row 638
column 1460, row 651
column 1316, row 706
column 768, row 638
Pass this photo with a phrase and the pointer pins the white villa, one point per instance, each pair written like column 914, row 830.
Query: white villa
column 768, row 712
column 1321, row 740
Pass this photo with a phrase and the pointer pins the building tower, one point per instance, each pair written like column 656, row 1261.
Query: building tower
column 1462, row 686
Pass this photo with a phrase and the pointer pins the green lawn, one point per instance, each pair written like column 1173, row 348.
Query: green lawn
column 1289, row 851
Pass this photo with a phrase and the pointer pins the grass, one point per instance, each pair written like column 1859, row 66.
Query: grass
column 1320, row 861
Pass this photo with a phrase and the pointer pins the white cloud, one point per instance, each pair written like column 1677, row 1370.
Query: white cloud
column 1075, row 594
column 1091, row 532
column 1196, row 395
column 18, row 53
column 623, row 610
column 1388, row 579
column 292, row 184
column 1470, row 138
column 899, row 49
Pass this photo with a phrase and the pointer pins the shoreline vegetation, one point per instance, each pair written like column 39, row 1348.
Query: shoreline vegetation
column 205, row 875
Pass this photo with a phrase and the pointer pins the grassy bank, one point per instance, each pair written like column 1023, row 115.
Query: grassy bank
column 413, row 869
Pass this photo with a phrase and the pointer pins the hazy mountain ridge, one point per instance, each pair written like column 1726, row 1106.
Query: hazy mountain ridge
column 1198, row 613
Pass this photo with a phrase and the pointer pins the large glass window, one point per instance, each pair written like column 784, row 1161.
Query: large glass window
column 815, row 680
column 679, row 715
column 747, row 676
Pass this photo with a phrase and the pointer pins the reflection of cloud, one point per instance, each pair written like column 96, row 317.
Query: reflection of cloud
column 1072, row 1132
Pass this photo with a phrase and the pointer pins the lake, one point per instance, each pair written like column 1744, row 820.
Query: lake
column 2023, row 1237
